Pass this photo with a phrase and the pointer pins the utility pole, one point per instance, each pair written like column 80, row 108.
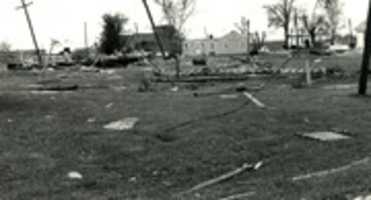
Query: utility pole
column 158, row 39
column 248, row 38
column 366, row 56
column 24, row 6
column 86, row 39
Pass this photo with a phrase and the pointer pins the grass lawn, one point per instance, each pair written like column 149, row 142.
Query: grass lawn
column 180, row 140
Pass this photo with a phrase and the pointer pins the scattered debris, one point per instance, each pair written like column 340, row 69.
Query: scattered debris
column 325, row 136
column 62, row 76
column 109, row 106
column 366, row 197
column 254, row 100
column 226, row 176
column 331, row 171
column 174, row 89
column 49, row 117
column 115, row 77
column 53, row 87
column 122, row 125
column 133, row 180
column 167, row 183
column 91, row 120
column 229, row 96
column 89, row 69
column 108, row 71
column 119, row 88
column 306, row 120
column 45, row 92
column 239, row 196
column 244, row 88
column 75, row 175
column 341, row 87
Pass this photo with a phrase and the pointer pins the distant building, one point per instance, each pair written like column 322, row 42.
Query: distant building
column 230, row 44
column 147, row 41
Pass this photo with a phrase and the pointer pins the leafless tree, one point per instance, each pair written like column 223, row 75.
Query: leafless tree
column 334, row 11
column 280, row 16
column 176, row 14
column 258, row 41
column 244, row 28
column 314, row 25
column 5, row 46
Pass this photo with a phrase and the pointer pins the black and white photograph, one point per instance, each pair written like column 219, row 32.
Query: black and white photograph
column 185, row 100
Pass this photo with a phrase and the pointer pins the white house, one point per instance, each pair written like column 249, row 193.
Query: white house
column 360, row 34
column 230, row 44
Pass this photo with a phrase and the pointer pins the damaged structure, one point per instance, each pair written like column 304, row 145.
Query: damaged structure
column 230, row 44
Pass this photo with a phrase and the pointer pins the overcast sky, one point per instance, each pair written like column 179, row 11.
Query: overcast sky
column 64, row 19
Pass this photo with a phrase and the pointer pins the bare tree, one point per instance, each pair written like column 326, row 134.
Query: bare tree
column 244, row 28
column 5, row 46
column 313, row 25
column 334, row 11
column 280, row 16
column 176, row 14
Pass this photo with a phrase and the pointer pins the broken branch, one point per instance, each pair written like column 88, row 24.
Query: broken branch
column 225, row 176
column 239, row 196
column 254, row 100
column 331, row 171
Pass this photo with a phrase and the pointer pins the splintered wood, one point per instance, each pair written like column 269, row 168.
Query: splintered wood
column 225, row 176
column 239, row 196
column 331, row 171
column 254, row 100
column 325, row 136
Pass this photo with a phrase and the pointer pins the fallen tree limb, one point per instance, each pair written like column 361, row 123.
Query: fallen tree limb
column 203, row 79
column 331, row 171
column 225, row 176
column 254, row 100
column 239, row 196
column 54, row 87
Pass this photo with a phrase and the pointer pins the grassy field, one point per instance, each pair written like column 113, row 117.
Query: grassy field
column 180, row 140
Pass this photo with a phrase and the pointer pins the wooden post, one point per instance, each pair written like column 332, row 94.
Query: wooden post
column 308, row 73
column 158, row 39
column 24, row 6
column 366, row 56
column 248, row 39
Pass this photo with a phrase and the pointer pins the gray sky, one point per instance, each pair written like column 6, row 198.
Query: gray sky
column 63, row 20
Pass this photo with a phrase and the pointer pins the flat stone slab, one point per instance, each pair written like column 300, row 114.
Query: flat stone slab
column 122, row 125
column 325, row 136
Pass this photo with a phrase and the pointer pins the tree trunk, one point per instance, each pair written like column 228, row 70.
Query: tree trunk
column 177, row 65
column 366, row 56
column 312, row 34
column 333, row 36
column 286, row 30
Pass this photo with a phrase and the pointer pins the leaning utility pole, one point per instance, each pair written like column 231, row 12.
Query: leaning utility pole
column 159, row 43
column 248, row 35
column 366, row 56
column 24, row 6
